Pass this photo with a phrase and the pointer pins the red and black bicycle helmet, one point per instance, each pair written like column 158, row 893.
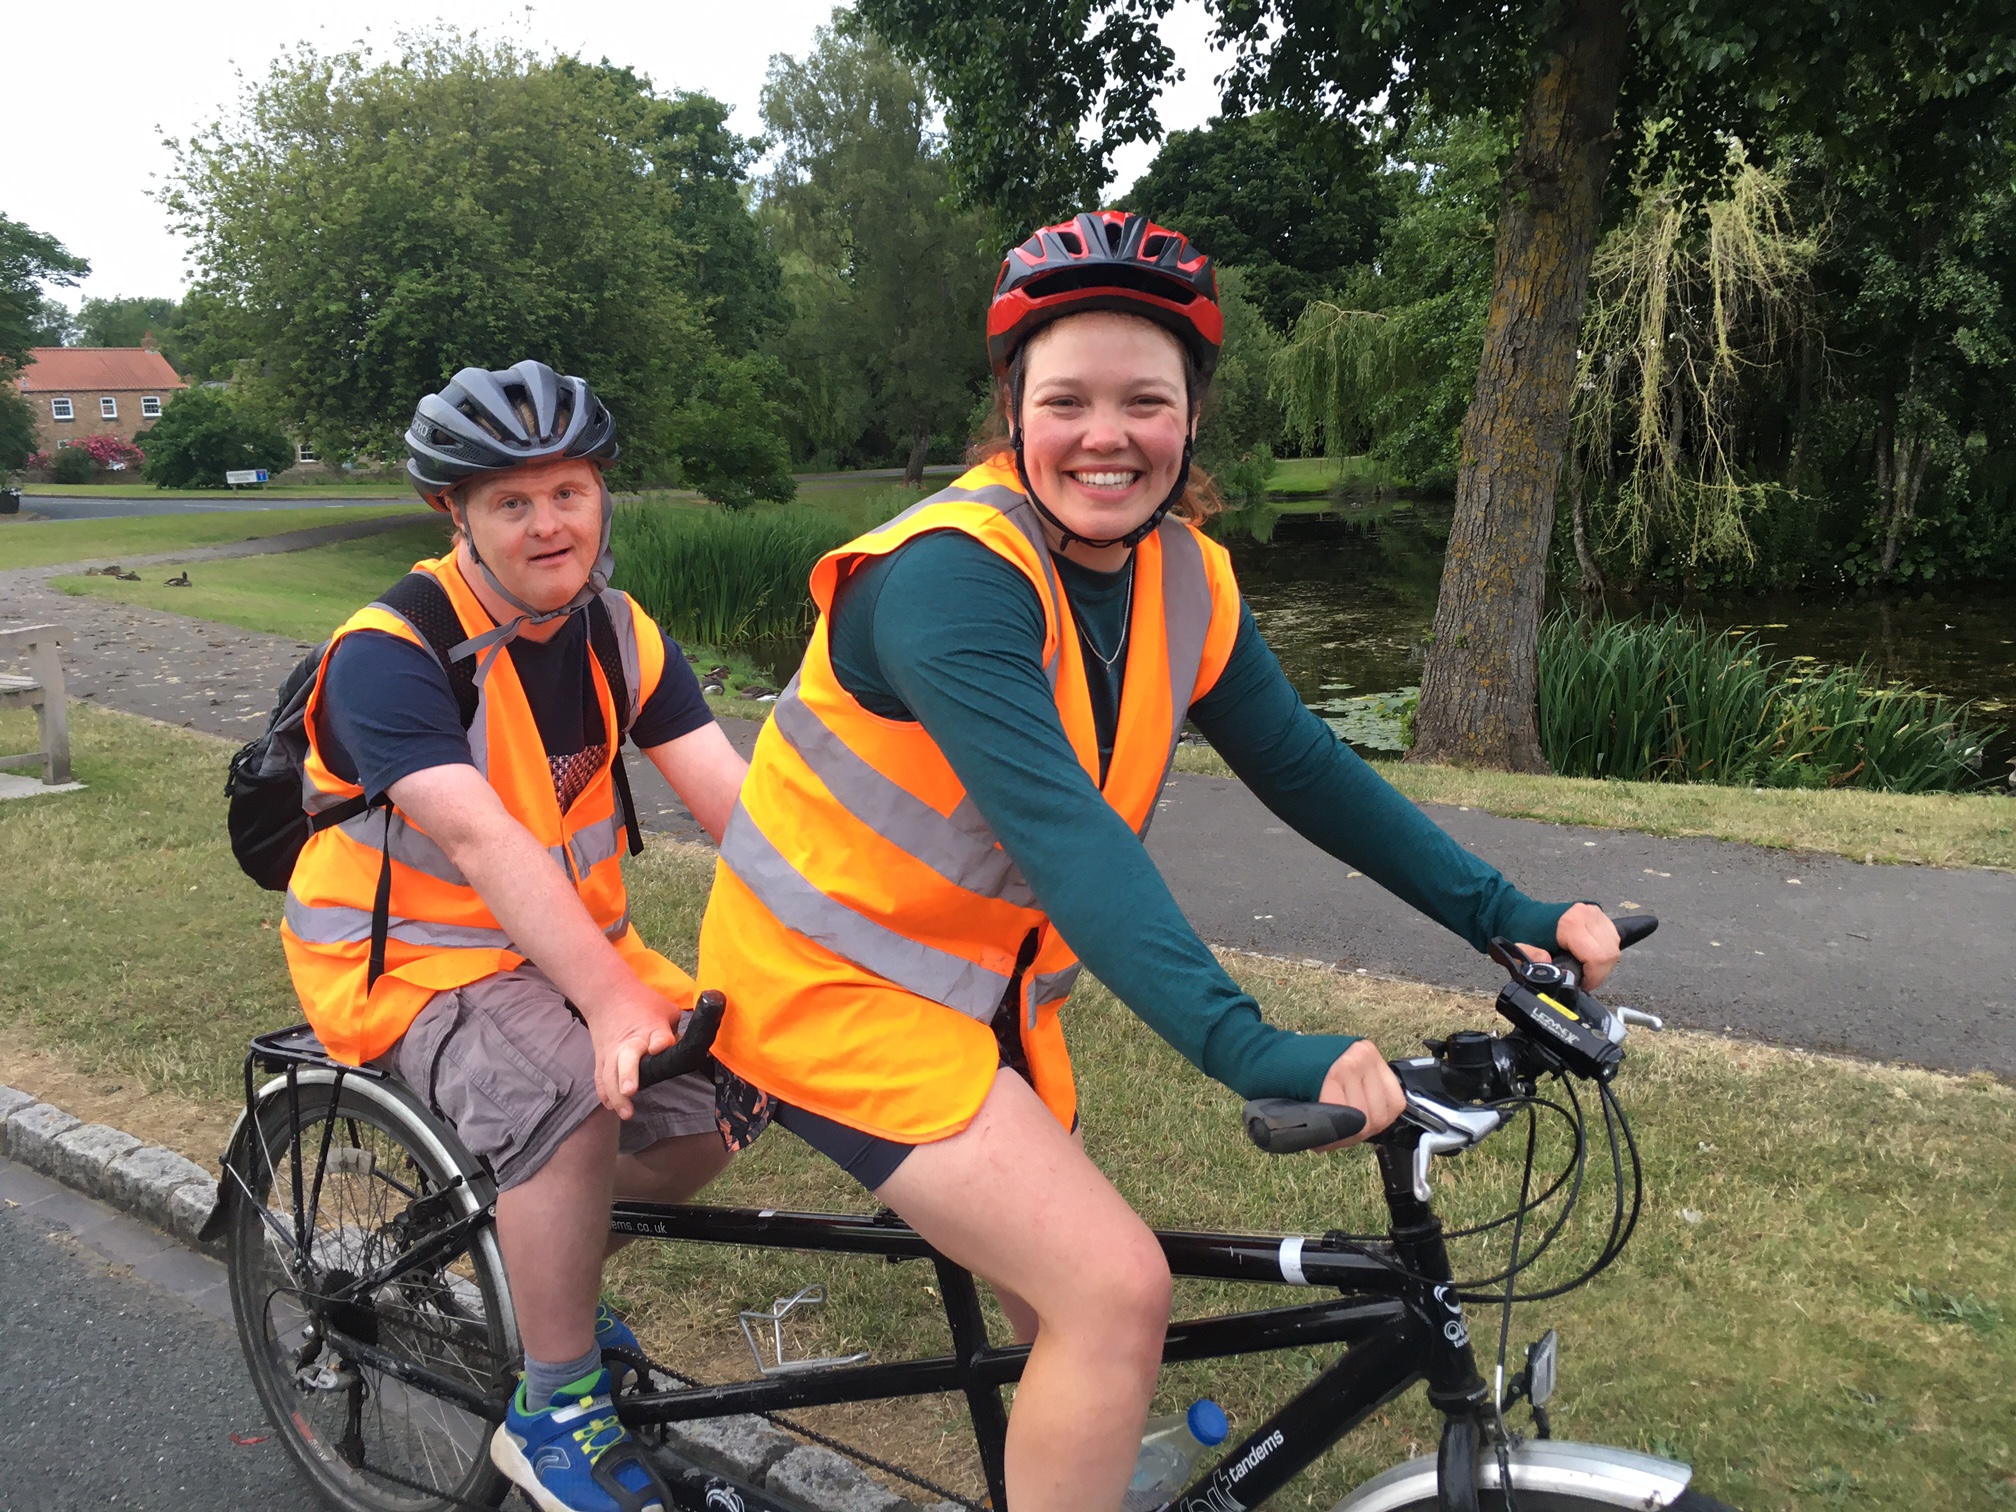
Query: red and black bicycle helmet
column 1106, row 260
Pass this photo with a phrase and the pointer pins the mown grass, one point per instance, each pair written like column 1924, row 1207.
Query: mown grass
column 302, row 594
column 1924, row 829
column 1816, row 1311
column 50, row 543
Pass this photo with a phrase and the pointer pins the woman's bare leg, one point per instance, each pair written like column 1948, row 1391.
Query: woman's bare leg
column 1014, row 1200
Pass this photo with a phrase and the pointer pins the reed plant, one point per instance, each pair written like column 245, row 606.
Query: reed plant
column 1666, row 700
column 716, row 578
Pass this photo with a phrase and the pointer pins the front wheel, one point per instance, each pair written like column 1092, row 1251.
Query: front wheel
column 1540, row 1501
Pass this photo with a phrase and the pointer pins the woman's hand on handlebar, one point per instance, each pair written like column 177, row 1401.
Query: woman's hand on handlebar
column 1586, row 933
column 1361, row 1079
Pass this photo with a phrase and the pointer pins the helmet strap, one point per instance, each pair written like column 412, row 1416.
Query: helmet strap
column 1067, row 535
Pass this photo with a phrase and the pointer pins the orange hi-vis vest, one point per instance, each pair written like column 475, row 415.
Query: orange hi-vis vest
column 866, row 925
column 442, row 935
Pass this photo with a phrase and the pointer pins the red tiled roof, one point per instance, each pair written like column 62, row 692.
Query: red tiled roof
column 94, row 370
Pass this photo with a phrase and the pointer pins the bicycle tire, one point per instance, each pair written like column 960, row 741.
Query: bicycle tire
column 1535, row 1501
column 364, row 1441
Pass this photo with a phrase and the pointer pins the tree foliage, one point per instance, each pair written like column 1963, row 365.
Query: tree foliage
column 124, row 321
column 1286, row 200
column 363, row 229
column 887, row 279
column 202, row 434
column 29, row 262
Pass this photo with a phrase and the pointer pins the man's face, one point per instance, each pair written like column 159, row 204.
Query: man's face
column 538, row 527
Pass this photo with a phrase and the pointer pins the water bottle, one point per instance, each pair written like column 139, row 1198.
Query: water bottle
column 1171, row 1451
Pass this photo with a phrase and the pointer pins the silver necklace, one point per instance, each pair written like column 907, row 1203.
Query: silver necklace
column 1126, row 624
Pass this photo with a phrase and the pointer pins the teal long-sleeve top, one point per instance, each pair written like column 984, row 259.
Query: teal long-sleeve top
column 946, row 633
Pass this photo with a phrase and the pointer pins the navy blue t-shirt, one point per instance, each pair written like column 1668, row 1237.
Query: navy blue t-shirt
column 388, row 710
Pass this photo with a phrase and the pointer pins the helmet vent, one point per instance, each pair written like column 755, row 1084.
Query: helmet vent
column 1072, row 243
column 1113, row 232
column 1151, row 249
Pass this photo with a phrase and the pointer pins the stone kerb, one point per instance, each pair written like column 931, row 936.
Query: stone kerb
column 153, row 1184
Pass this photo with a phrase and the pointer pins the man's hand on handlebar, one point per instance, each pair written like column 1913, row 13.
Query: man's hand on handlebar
column 1361, row 1079
column 624, row 1033
column 1587, row 934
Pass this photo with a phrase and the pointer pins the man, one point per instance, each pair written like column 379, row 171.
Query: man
column 504, row 835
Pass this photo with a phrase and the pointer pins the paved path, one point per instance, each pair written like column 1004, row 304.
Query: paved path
column 87, row 507
column 1892, row 962
column 121, row 1383
column 1907, row 963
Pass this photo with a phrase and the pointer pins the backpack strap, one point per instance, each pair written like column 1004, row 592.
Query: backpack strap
column 602, row 637
column 424, row 604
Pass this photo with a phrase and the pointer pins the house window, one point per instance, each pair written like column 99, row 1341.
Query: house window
column 303, row 452
column 62, row 446
column 59, row 409
column 108, row 408
column 150, row 407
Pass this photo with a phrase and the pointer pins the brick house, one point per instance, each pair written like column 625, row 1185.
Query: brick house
column 95, row 391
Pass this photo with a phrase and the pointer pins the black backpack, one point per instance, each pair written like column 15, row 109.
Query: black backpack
column 265, row 784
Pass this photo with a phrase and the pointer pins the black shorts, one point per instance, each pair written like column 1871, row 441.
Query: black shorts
column 868, row 1158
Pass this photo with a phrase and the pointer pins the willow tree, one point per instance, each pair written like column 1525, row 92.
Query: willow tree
column 1695, row 298
column 1039, row 95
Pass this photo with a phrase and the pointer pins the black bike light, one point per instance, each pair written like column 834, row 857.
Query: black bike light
column 1540, row 1359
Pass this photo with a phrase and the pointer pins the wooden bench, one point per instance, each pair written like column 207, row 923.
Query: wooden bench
column 42, row 691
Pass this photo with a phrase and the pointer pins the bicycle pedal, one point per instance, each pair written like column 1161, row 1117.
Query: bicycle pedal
column 780, row 1309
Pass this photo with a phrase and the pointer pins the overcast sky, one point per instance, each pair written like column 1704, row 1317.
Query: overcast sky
column 107, row 81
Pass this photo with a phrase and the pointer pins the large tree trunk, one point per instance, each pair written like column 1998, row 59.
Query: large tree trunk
column 1478, row 689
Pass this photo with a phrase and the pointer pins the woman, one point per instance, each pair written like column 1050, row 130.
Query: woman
column 945, row 815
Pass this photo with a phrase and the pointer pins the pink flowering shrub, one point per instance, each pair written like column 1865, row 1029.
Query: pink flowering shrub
column 111, row 453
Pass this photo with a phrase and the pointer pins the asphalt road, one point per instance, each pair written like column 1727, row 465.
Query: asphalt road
column 1914, row 964
column 74, row 507
column 121, row 1383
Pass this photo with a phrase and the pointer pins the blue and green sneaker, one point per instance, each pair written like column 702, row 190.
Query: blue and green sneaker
column 572, row 1455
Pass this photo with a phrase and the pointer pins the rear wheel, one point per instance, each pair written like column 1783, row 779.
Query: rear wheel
column 388, row 1181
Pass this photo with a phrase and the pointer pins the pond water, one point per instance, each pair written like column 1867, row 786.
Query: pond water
column 1346, row 600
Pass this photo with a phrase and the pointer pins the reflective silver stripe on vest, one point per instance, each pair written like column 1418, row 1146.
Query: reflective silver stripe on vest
column 595, row 843
column 410, row 846
column 335, row 924
column 1187, row 609
column 1051, row 986
column 930, row 973
column 959, row 846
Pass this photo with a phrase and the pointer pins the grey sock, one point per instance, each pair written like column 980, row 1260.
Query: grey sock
column 543, row 1378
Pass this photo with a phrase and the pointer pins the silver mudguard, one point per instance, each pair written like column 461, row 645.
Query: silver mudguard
column 227, row 1188
column 1596, row 1472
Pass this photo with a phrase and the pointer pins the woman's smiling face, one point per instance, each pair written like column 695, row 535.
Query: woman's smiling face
column 1105, row 413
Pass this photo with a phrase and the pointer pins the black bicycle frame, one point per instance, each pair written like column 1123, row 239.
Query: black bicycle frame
column 1398, row 1326
column 1396, row 1313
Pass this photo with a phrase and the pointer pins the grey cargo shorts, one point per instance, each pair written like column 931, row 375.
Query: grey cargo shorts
column 509, row 1065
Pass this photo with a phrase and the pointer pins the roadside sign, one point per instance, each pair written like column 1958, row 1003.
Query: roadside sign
column 245, row 475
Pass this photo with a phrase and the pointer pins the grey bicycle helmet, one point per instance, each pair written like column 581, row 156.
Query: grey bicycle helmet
column 486, row 422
